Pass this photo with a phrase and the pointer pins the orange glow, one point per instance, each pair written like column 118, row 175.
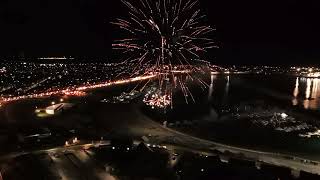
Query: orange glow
column 79, row 91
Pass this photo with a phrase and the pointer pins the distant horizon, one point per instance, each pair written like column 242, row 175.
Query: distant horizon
column 106, row 59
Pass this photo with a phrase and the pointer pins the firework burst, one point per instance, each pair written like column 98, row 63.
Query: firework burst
column 158, row 99
column 164, row 38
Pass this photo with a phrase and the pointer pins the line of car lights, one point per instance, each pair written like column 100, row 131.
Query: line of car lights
column 75, row 140
column 149, row 145
column 77, row 91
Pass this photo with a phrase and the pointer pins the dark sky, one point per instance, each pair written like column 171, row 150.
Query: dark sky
column 249, row 31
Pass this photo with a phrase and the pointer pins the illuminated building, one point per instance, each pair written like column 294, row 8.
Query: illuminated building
column 56, row 108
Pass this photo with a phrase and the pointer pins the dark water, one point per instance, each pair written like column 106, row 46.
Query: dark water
column 301, row 92
column 225, row 92
column 286, row 93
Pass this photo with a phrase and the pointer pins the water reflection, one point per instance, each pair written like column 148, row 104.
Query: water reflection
column 308, row 89
column 213, row 78
column 226, row 92
column 311, row 92
column 296, row 93
column 227, row 85
column 296, row 89
column 315, row 89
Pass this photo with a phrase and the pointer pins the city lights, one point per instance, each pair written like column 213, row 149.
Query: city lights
column 77, row 91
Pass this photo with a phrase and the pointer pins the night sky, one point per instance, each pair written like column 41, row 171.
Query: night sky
column 248, row 31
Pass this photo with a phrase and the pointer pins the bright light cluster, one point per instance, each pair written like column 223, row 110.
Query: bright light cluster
column 157, row 99
column 3, row 70
column 74, row 93
column 314, row 75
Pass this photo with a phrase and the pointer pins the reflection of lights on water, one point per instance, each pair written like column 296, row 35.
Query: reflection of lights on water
column 306, row 102
column 228, row 84
column 213, row 77
column 296, row 89
column 295, row 102
column 296, row 93
column 315, row 88
column 308, row 89
column 226, row 93
column 312, row 94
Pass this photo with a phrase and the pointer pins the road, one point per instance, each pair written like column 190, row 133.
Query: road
column 174, row 141
column 171, row 137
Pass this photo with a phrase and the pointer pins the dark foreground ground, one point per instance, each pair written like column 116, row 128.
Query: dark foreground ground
column 89, row 120
column 113, row 162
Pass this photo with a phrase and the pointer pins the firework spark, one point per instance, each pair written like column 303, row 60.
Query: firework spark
column 158, row 99
column 164, row 37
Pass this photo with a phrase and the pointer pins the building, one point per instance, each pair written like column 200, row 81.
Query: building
column 56, row 108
